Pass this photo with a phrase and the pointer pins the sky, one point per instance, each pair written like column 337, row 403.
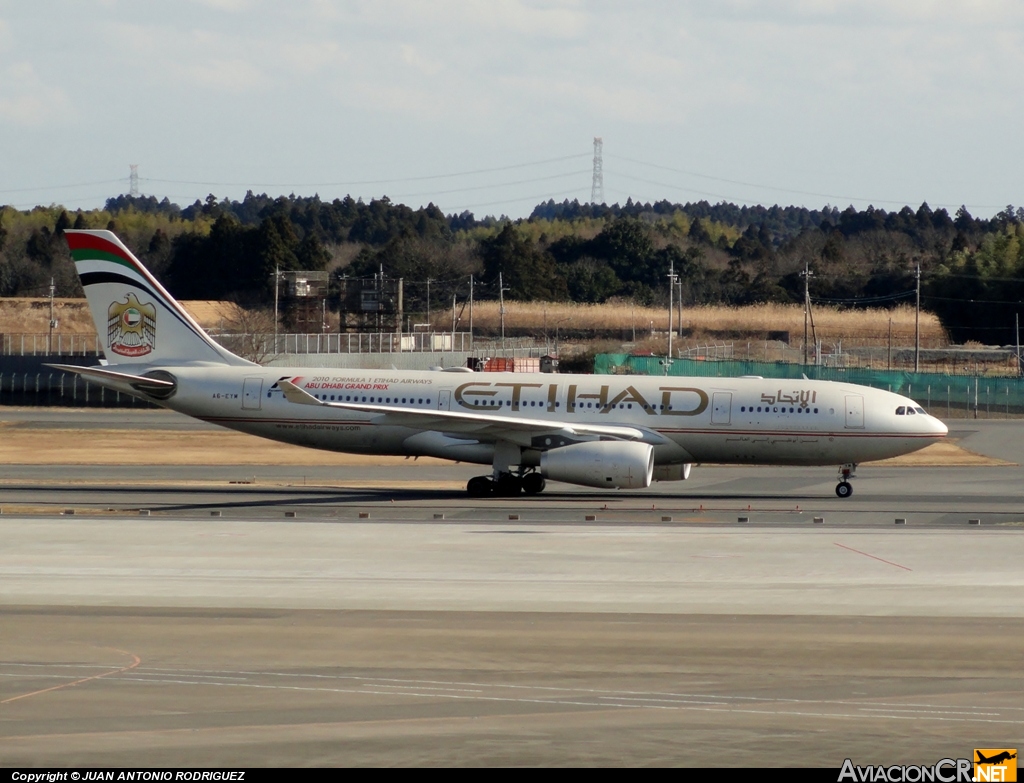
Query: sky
column 493, row 107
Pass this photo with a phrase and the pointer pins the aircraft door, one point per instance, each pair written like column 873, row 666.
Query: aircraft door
column 252, row 394
column 444, row 399
column 721, row 408
column 854, row 411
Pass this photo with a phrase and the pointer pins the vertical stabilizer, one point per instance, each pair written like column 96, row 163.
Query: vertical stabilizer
column 137, row 321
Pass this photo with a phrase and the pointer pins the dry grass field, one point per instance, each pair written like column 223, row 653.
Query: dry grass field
column 31, row 315
column 865, row 327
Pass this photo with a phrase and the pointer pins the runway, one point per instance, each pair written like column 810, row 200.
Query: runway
column 393, row 621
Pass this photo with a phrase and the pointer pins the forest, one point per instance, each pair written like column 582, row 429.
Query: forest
column 972, row 269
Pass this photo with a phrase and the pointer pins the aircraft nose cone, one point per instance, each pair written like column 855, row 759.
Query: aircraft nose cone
column 940, row 429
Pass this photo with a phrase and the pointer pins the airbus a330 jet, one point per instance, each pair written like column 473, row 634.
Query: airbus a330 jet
column 596, row 431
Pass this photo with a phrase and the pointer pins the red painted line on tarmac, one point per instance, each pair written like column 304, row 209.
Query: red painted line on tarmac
column 873, row 557
column 136, row 660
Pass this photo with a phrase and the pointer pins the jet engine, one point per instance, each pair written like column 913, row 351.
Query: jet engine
column 607, row 463
column 678, row 472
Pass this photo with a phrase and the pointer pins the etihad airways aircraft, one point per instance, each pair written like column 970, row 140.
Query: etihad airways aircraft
column 596, row 431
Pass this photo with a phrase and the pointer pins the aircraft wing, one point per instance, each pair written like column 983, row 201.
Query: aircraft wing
column 479, row 425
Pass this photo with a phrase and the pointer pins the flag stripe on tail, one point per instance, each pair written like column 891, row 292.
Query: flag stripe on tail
column 95, row 278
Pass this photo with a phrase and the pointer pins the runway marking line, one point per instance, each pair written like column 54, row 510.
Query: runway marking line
column 873, row 557
column 604, row 702
column 136, row 660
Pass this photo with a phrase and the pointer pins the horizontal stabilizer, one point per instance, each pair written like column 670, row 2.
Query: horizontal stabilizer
column 157, row 387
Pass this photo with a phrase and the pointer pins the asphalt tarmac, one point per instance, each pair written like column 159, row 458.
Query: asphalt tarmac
column 391, row 621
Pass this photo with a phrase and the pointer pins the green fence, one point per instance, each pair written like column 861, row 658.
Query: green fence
column 949, row 395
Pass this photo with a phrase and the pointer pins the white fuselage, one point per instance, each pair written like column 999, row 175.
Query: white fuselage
column 724, row 420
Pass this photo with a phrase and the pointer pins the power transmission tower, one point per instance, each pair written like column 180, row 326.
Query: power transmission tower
column 133, row 180
column 597, row 189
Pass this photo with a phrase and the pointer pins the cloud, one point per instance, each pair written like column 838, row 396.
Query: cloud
column 231, row 6
column 231, row 75
column 26, row 100
column 412, row 56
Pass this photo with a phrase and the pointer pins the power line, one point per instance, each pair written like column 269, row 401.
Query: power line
column 63, row 187
column 488, row 187
column 772, row 187
column 369, row 181
column 863, row 299
column 676, row 187
column 539, row 197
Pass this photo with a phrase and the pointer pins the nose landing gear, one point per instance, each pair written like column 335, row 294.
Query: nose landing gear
column 846, row 472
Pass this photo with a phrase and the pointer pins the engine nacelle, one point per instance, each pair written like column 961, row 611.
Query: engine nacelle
column 607, row 463
column 678, row 472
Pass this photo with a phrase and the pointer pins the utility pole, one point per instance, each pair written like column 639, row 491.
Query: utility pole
column 917, row 321
column 679, row 305
column 453, row 321
column 671, row 287
column 401, row 306
column 429, row 328
column 501, row 308
column 806, row 275
column 277, row 277
column 1016, row 326
column 471, row 312
column 53, row 323
column 888, row 362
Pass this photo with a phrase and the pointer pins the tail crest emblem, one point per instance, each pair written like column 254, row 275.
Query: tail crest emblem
column 131, row 327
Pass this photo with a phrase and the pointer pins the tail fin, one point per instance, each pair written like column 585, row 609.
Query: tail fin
column 137, row 321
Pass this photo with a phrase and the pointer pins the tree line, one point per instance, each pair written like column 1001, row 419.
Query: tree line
column 972, row 269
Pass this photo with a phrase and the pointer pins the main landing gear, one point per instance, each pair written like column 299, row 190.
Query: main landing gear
column 846, row 472
column 507, row 485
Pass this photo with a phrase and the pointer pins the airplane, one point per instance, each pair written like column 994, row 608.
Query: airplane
column 996, row 759
column 607, row 432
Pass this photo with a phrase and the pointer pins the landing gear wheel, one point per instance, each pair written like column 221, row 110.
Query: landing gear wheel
column 533, row 483
column 508, row 486
column 844, row 489
column 480, row 487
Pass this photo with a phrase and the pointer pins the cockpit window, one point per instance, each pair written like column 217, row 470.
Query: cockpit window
column 920, row 410
column 901, row 411
column 910, row 411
